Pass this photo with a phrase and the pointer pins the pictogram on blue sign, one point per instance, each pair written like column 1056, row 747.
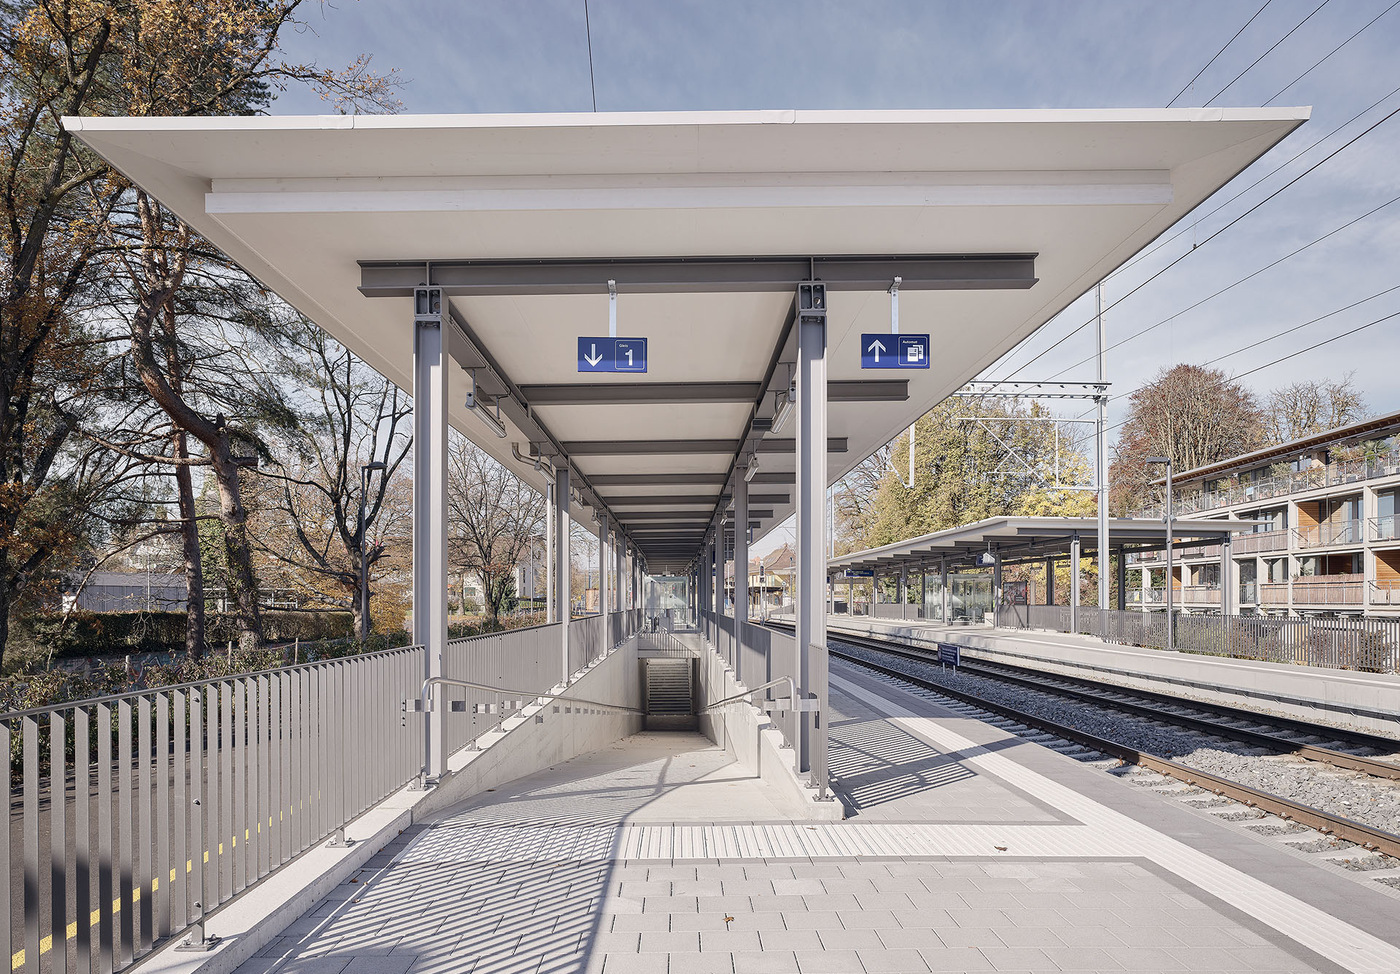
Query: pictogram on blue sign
column 894, row 351
column 612, row 354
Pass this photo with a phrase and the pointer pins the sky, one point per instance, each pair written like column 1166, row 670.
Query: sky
column 533, row 56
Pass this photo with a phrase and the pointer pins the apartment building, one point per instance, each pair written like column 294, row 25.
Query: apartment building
column 1325, row 542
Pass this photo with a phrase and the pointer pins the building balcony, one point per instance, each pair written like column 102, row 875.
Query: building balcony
column 1155, row 596
column 1316, row 591
column 1197, row 552
column 1328, row 535
column 1260, row 542
column 1193, row 595
column 1383, row 528
column 1384, row 593
column 1249, row 593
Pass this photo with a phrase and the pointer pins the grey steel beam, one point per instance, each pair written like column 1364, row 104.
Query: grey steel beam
column 595, row 448
column 641, row 393
column 657, row 479
column 638, row 393
column 689, row 275
column 430, row 428
column 834, row 444
column 660, row 500
column 635, row 516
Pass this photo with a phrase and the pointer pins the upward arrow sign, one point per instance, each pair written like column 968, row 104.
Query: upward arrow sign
column 877, row 347
column 593, row 358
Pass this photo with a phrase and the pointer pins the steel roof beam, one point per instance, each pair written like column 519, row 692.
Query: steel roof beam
column 690, row 275
column 657, row 393
column 658, row 479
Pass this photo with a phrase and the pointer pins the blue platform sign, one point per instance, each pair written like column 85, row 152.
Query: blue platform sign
column 894, row 351
column 612, row 354
column 949, row 655
column 860, row 573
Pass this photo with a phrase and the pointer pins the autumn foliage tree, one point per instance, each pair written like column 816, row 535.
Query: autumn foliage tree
column 1192, row 414
column 105, row 57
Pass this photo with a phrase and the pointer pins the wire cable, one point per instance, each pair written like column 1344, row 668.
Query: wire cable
column 588, row 33
column 1269, row 51
column 1333, row 51
column 1218, row 53
column 1331, row 155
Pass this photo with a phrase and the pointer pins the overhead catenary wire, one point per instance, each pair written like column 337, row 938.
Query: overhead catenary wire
column 1271, row 50
column 588, row 33
column 1331, row 155
column 1318, row 63
column 1187, row 87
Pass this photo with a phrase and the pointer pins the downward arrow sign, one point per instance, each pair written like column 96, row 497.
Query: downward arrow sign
column 593, row 358
column 877, row 348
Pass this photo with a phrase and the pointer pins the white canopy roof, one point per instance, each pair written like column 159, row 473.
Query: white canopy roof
column 995, row 219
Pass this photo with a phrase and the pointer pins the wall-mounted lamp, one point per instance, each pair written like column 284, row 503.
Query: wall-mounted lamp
column 492, row 421
column 753, row 469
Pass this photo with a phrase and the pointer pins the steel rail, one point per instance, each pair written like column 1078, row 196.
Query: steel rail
column 1323, row 755
column 1364, row 835
column 1039, row 680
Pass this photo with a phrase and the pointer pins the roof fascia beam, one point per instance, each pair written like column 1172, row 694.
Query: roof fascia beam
column 690, row 275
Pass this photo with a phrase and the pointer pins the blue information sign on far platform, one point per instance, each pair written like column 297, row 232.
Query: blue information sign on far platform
column 860, row 573
column 894, row 351
column 612, row 354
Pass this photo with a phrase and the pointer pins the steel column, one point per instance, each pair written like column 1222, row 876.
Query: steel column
column 1074, row 583
column 603, row 538
column 562, row 601
column 943, row 571
column 430, row 508
column 717, row 607
column 1049, row 581
column 997, row 602
column 811, row 523
column 1227, row 588
column 1101, row 472
column 550, row 606
column 741, row 566
column 1122, row 568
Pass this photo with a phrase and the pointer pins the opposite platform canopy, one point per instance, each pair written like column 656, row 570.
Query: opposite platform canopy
column 1033, row 539
column 994, row 220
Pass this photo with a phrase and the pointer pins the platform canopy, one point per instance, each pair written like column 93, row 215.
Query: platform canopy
column 993, row 220
column 1022, row 539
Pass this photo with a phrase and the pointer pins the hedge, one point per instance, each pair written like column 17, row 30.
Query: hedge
column 106, row 633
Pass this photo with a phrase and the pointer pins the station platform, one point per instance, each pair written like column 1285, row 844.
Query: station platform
column 965, row 848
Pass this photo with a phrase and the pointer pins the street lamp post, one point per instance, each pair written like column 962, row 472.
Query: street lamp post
column 1166, row 461
column 365, row 470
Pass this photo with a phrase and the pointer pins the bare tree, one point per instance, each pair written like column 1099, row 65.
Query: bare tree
column 492, row 517
column 1312, row 406
column 347, row 417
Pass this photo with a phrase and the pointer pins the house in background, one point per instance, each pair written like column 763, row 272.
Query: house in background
column 1325, row 542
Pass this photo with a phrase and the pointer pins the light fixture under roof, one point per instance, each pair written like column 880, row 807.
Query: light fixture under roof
column 474, row 404
column 752, row 469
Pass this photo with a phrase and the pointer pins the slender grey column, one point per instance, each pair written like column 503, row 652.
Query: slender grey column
column 430, row 507
column 1074, row 583
column 603, row 537
column 719, row 581
column 811, row 522
column 923, row 591
column 1122, row 569
column 1049, row 581
column 562, row 602
column 947, row 603
column 550, row 607
column 741, row 568
column 996, row 588
column 1227, row 588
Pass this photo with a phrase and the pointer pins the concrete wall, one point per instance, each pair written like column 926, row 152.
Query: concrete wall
column 524, row 745
column 747, row 733
column 1365, row 701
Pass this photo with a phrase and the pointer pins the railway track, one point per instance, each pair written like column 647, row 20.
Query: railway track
column 1217, row 720
column 1362, row 834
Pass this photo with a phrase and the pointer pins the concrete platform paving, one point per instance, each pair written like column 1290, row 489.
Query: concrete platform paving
column 967, row 849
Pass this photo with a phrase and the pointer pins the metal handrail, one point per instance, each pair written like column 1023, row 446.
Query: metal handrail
column 792, row 693
column 432, row 681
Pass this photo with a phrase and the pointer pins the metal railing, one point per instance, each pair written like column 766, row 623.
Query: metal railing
column 1155, row 596
column 141, row 812
column 1260, row 541
column 1329, row 533
column 133, row 816
column 1200, row 595
column 1329, row 590
column 1249, row 593
column 1383, row 528
column 1385, row 593
column 1371, row 645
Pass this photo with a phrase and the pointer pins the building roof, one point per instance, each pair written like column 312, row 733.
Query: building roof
column 994, row 220
column 1342, row 435
column 1034, row 538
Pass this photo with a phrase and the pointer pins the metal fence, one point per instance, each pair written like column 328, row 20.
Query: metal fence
column 1369, row 645
column 133, row 816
